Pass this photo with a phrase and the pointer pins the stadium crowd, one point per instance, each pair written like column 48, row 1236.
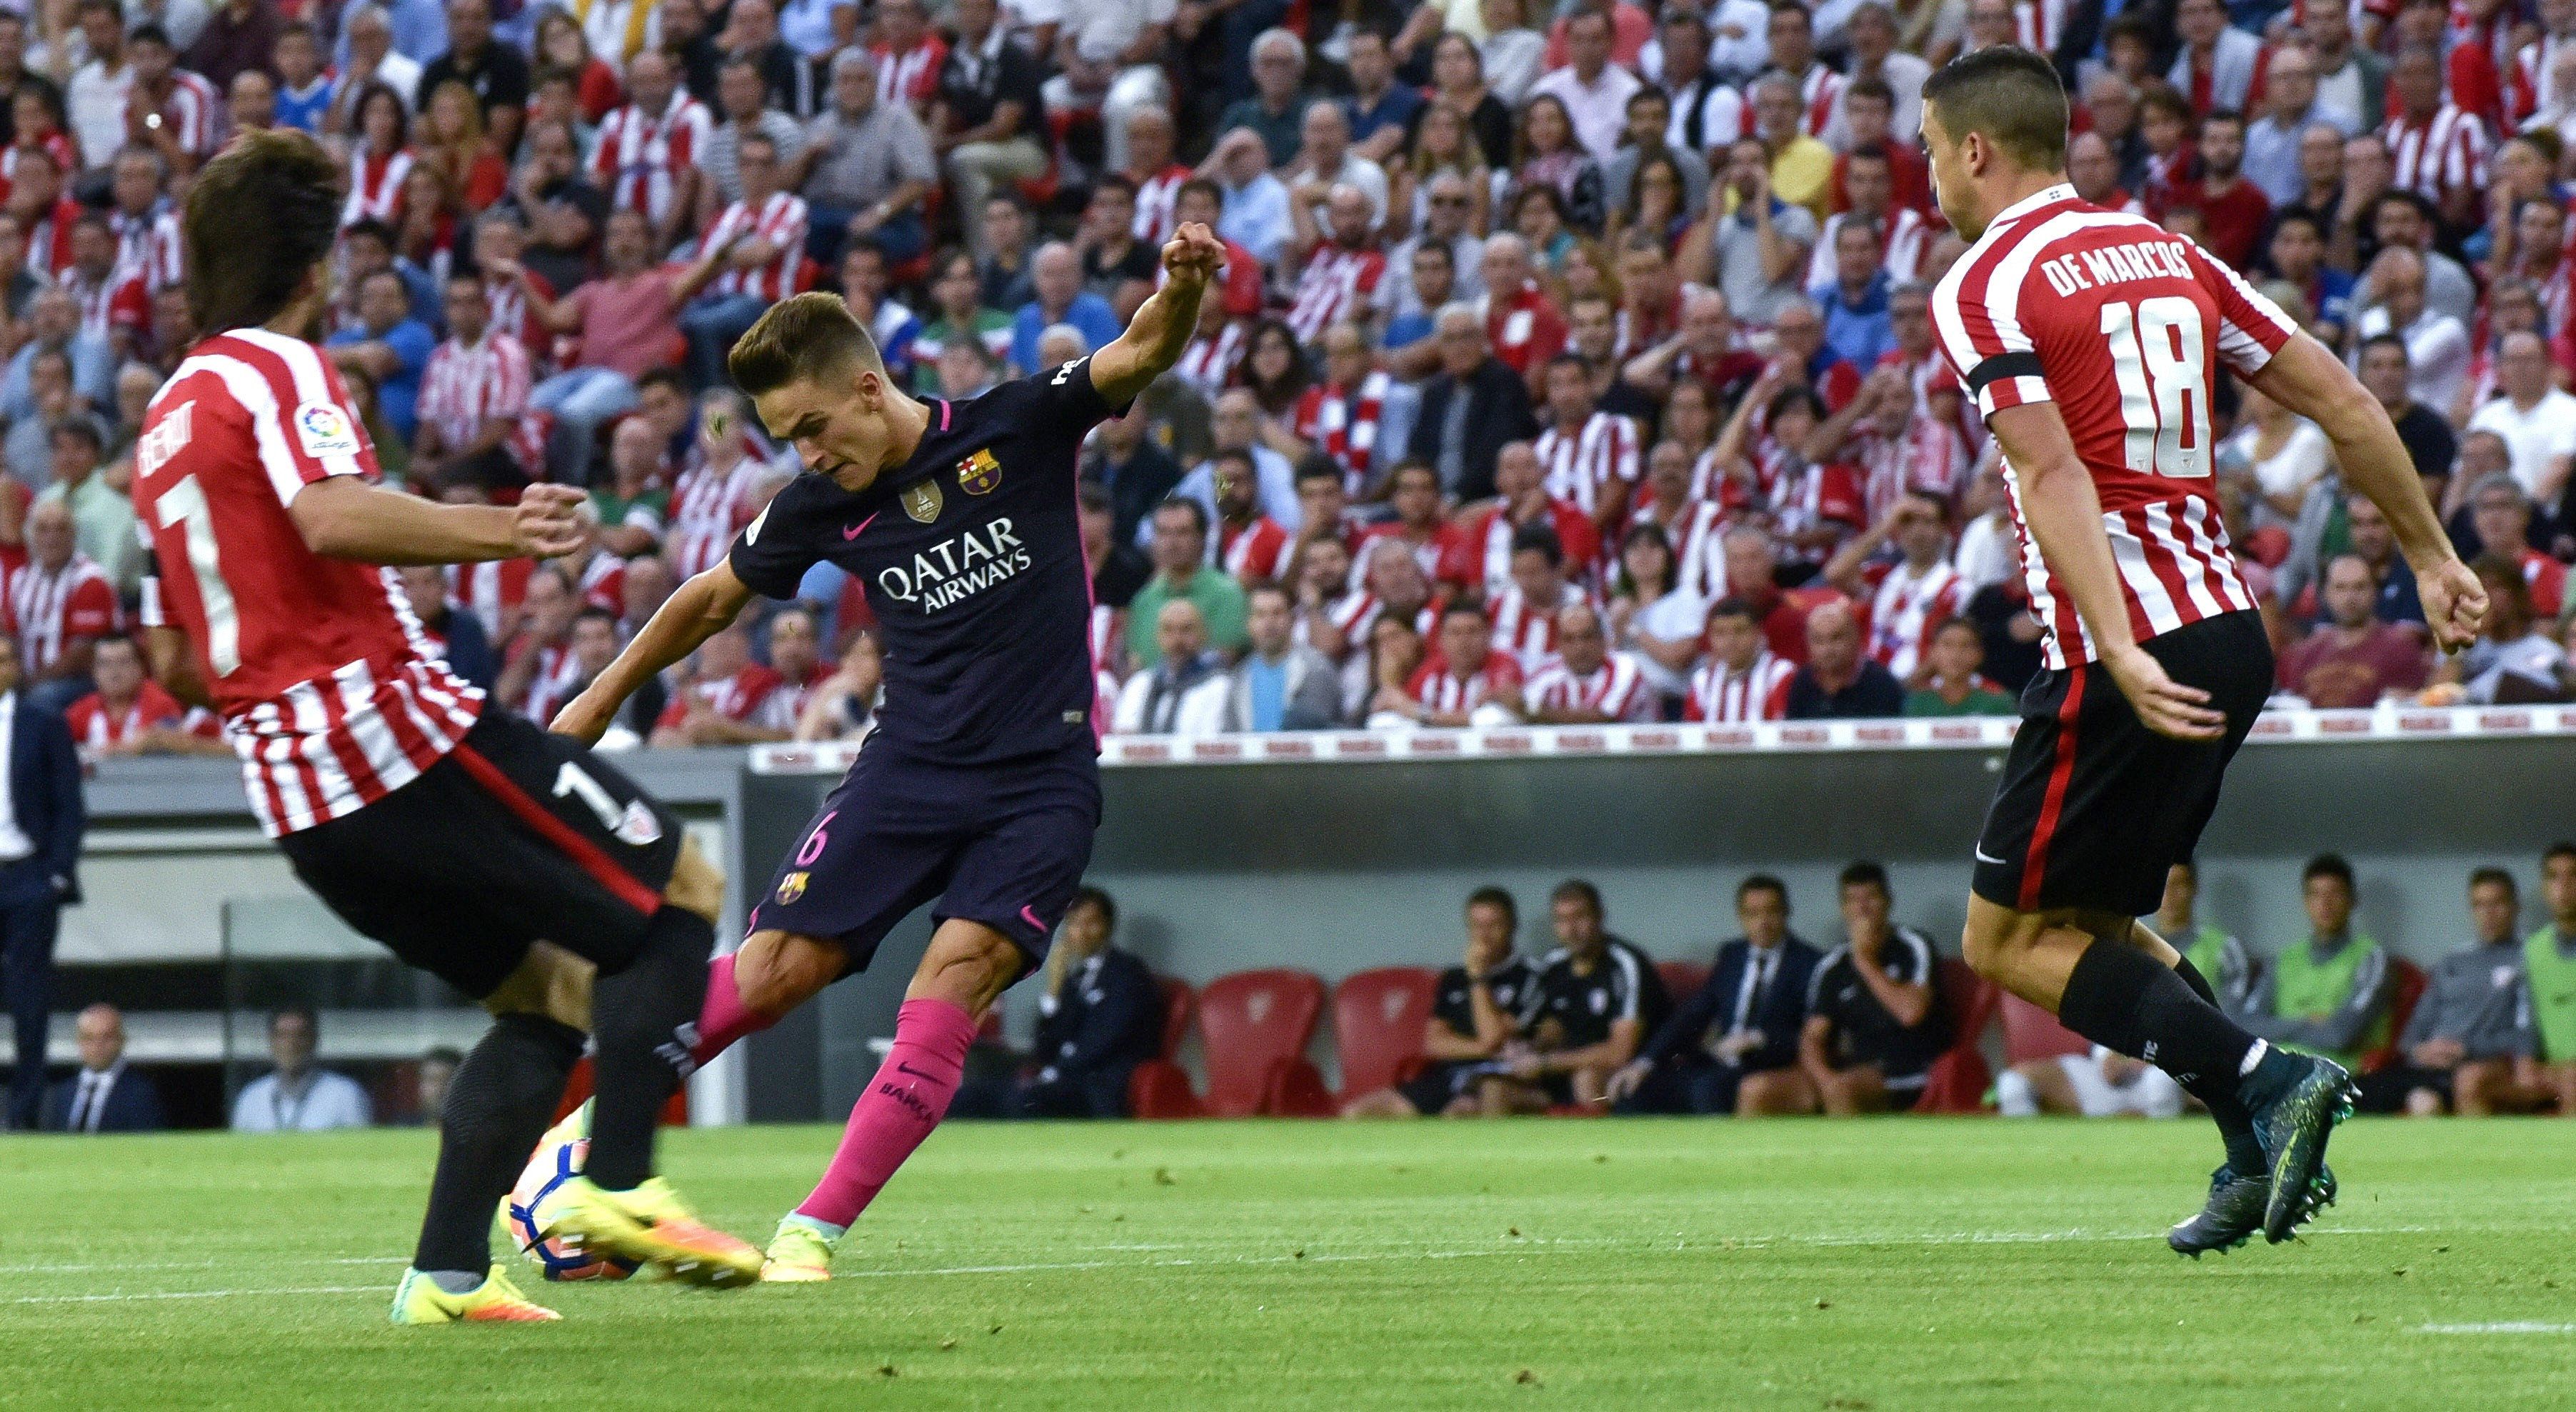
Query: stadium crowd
column 1572, row 361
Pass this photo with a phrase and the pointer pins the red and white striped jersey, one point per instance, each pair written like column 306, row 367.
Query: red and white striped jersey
column 1337, row 284
column 492, row 591
column 194, row 112
column 1252, row 553
column 708, row 508
column 1929, row 456
column 1758, row 693
column 49, row 241
column 2038, row 25
column 1819, row 91
column 1442, row 552
column 375, row 185
column 1445, row 694
column 641, row 156
column 1580, row 466
column 1156, row 196
column 49, row 608
column 1208, row 364
column 2445, row 153
column 98, row 728
column 2122, row 325
column 780, row 221
column 115, row 300
column 1615, row 689
column 1527, row 630
column 556, row 682
column 467, row 386
column 1907, row 609
column 1814, row 497
column 911, row 76
column 333, row 696
column 1699, row 547
column 1342, row 423
column 1904, row 239
column 755, row 696
column 1524, row 326
column 2532, row 64
column 1489, row 540
column 148, row 245
column 1356, row 613
column 54, row 144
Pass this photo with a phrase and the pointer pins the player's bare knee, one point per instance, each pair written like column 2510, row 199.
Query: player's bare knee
column 697, row 884
column 968, row 965
column 549, row 981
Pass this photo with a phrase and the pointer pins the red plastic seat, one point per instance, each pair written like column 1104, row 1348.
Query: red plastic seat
column 579, row 1083
column 1682, row 979
column 1253, row 1026
column 1158, row 1088
column 2032, row 1033
column 1378, row 1020
column 1958, row 1080
column 2406, row 982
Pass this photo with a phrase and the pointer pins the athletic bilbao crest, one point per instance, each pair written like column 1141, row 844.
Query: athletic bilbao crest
column 979, row 473
column 791, row 887
column 923, row 502
column 637, row 826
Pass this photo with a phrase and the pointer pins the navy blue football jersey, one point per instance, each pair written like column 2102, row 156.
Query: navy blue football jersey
column 971, row 554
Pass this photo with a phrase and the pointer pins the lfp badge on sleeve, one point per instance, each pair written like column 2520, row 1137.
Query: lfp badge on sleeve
column 979, row 473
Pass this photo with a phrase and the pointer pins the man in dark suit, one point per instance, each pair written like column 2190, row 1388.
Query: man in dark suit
column 1743, row 1023
column 1472, row 408
column 41, row 819
column 105, row 1096
column 1099, row 1017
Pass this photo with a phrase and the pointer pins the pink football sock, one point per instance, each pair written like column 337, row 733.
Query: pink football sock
column 724, row 1019
column 906, row 1099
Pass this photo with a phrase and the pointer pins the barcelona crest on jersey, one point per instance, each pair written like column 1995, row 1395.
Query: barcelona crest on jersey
column 979, row 473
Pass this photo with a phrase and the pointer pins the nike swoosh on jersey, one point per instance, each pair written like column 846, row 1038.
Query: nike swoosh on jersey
column 1984, row 857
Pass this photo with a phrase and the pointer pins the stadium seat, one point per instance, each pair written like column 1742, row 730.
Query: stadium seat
column 1960, row 1077
column 1378, row 1020
column 2032, row 1033
column 1158, row 1088
column 1682, row 979
column 2406, row 982
column 1253, row 1026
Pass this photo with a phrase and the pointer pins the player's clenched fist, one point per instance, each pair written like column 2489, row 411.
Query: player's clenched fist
column 2455, row 604
column 1193, row 253
column 548, row 521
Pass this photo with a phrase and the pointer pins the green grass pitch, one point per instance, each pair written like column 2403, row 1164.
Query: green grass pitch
column 1893, row 1264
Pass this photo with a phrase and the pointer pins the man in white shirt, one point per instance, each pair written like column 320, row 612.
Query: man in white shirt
column 1185, row 692
column 95, row 97
column 1594, row 90
column 2536, row 420
column 299, row 1096
column 2437, row 347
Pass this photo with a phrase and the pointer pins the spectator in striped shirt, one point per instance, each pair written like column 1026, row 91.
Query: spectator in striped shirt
column 1586, row 683
column 1591, row 457
column 471, row 398
column 60, row 605
column 1741, row 681
column 130, row 714
column 1343, row 264
column 169, row 109
column 758, row 241
column 1468, row 682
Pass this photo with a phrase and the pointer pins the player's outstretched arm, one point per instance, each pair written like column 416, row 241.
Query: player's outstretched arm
column 2312, row 382
column 1163, row 323
column 697, row 610
column 2065, row 516
column 342, row 517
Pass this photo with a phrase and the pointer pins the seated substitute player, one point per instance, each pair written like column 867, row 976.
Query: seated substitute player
column 1874, row 1018
column 450, row 829
column 1475, row 1012
column 1596, row 999
column 2092, row 341
column 1757, row 992
column 2470, row 1045
column 980, row 789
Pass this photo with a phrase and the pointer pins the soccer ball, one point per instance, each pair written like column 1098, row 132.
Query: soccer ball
column 558, row 1159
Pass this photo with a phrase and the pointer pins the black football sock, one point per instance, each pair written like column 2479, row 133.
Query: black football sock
column 498, row 1105
column 2217, row 1092
column 2120, row 997
column 645, row 1020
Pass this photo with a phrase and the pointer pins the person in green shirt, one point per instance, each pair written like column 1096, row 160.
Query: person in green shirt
column 2221, row 958
column 100, row 501
column 2327, row 995
column 2549, row 965
column 632, row 504
column 957, row 291
column 1951, row 686
column 1181, row 570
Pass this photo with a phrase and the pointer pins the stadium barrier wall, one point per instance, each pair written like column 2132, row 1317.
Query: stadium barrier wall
column 1338, row 851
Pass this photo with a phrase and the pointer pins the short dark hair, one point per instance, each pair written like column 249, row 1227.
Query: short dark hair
column 1114, row 181
column 280, row 183
column 2010, row 95
column 149, row 33
column 1865, row 874
column 1870, row 88
column 1539, row 537
column 2564, row 848
column 1456, row 607
column 1733, row 608
column 81, row 429
column 1580, row 890
column 2481, row 877
column 1242, row 454
column 671, row 378
column 2223, row 115
column 312, row 1021
column 2327, row 865
column 1491, row 896
column 805, row 336
column 1089, row 896
column 2387, row 340
column 1204, row 187
column 1197, row 512
column 1324, row 468
column 1762, row 882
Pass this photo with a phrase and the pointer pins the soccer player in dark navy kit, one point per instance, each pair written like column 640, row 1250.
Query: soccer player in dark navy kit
column 980, row 788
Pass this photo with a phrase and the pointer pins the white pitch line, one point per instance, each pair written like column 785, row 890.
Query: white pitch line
column 2515, row 1326
column 120, row 1269
column 121, row 1298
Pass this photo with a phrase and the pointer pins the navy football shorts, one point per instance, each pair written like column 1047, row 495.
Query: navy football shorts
column 1004, row 845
